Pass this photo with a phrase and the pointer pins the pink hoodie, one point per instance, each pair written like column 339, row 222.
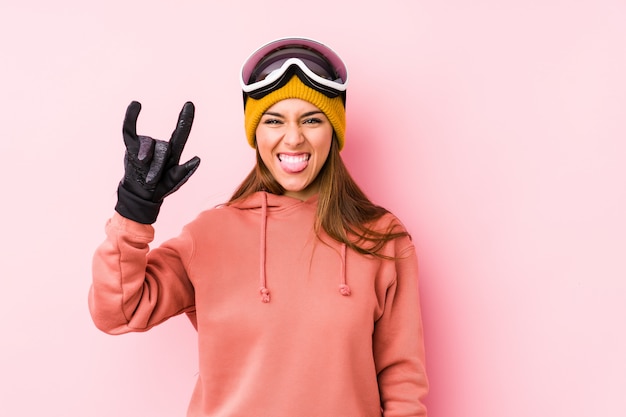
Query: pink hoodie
column 288, row 325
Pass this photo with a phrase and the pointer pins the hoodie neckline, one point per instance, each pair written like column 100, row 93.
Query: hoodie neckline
column 272, row 201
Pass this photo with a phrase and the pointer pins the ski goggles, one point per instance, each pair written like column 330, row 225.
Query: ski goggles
column 274, row 64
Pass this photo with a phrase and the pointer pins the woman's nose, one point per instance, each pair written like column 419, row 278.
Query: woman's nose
column 293, row 135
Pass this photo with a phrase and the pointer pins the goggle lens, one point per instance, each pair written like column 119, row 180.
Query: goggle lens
column 313, row 61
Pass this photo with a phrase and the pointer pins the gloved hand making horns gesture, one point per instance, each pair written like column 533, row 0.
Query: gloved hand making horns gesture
column 151, row 166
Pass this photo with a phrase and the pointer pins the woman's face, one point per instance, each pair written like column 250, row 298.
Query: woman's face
column 293, row 139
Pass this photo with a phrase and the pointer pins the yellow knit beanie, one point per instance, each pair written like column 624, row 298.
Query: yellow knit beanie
column 333, row 108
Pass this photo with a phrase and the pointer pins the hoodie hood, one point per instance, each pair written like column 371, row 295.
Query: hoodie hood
column 267, row 203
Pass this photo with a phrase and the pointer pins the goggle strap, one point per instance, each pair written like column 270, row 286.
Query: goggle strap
column 284, row 79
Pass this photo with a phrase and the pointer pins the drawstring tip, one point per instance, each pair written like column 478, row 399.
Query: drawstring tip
column 344, row 290
column 265, row 295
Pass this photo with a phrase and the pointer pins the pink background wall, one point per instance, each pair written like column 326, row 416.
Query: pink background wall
column 496, row 130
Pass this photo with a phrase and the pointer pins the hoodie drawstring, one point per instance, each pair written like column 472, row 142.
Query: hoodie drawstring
column 344, row 289
column 265, row 293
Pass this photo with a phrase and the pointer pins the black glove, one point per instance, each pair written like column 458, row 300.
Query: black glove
column 151, row 169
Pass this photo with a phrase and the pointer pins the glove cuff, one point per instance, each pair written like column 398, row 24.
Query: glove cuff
column 136, row 208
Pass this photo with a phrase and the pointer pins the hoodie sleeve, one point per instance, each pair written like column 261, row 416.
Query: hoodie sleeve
column 398, row 343
column 133, row 288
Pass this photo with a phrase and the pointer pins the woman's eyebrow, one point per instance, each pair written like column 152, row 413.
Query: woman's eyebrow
column 270, row 113
column 307, row 114
column 311, row 113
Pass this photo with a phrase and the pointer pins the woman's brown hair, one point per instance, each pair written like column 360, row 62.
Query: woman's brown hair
column 343, row 211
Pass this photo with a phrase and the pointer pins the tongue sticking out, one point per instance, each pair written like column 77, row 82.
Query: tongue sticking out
column 293, row 164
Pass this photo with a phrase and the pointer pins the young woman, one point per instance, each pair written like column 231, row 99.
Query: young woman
column 304, row 293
